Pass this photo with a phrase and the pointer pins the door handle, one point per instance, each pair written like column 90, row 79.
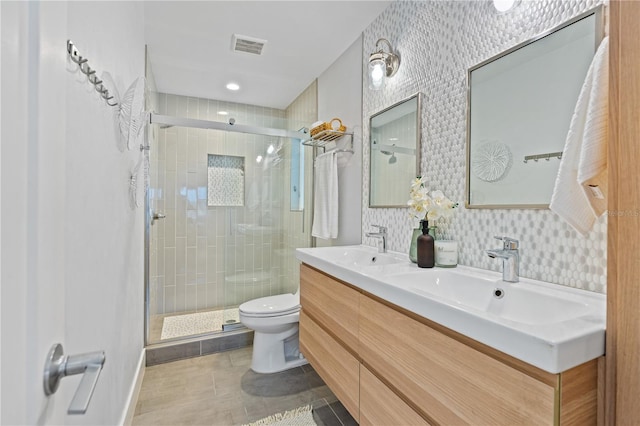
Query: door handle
column 58, row 366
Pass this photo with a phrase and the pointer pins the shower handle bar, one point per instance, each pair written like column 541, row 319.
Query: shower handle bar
column 157, row 216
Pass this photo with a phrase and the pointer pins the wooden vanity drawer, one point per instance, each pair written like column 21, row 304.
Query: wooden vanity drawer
column 338, row 368
column 331, row 304
column 380, row 406
column 446, row 380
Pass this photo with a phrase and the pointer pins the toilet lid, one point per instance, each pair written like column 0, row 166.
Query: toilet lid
column 281, row 304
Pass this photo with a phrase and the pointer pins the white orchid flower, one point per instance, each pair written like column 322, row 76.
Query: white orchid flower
column 417, row 183
column 428, row 206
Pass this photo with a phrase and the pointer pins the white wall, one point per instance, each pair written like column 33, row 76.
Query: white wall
column 75, row 270
column 340, row 95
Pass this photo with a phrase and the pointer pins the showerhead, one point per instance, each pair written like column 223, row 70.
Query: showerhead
column 393, row 158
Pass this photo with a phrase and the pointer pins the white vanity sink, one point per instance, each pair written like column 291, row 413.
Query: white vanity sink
column 359, row 256
column 524, row 302
column 550, row 326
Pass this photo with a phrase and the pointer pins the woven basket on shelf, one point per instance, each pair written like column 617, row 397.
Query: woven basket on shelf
column 324, row 126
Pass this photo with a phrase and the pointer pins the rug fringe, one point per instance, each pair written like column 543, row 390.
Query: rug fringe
column 279, row 417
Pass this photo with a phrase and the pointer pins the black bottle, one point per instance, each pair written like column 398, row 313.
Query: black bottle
column 426, row 253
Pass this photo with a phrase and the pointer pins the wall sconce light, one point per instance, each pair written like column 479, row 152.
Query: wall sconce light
column 503, row 6
column 382, row 65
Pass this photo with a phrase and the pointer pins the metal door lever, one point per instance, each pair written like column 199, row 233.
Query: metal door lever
column 58, row 366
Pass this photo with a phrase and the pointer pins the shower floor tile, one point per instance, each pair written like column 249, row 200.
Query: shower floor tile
column 197, row 323
column 172, row 326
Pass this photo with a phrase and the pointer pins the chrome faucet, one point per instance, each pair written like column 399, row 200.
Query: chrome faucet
column 510, row 259
column 382, row 234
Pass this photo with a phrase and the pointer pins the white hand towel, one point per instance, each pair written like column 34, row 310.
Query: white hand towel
column 580, row 192
column 325, row 199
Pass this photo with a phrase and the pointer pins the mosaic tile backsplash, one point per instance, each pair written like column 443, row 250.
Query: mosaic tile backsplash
column 438, row 41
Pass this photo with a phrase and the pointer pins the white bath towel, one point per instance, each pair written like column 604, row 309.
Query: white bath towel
column 580, row 192
column 325, row 199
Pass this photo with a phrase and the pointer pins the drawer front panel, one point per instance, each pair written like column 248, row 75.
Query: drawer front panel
column 450, row 382
column 337, row 367
column 380, row 406
column 332, row 304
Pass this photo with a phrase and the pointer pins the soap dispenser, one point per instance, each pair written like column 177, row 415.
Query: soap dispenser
column 426, row 252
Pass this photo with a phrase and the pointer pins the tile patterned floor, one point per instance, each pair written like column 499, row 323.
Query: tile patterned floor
column 221, row 389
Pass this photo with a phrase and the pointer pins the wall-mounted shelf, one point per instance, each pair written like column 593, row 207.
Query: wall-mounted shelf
column 322, row 139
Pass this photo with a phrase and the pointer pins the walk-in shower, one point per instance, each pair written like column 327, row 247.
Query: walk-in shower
column 226, row 209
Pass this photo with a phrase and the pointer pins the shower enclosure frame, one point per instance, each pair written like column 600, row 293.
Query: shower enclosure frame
column 171, row 121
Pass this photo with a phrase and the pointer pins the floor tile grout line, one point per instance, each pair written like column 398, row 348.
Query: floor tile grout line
column 336, row 414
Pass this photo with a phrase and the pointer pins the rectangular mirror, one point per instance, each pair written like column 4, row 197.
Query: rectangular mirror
column 394, row 152
column 520, row 105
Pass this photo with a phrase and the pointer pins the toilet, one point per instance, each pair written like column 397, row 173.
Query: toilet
column 274, row 320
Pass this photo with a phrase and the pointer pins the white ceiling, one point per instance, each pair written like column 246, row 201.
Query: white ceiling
column 189, row 45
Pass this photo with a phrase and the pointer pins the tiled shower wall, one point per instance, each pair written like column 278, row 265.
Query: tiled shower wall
column 438, row 41
column 302, row 112
column 201, row 255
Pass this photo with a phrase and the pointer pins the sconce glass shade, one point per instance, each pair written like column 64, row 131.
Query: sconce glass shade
column 504, row 6
column 377, row 72
column 382, row 65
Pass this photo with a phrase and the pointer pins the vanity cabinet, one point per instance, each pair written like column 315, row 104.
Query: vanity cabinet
column 329, row 334
column 410, row 370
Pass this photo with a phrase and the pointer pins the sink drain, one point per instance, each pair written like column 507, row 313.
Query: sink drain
column 498, row 293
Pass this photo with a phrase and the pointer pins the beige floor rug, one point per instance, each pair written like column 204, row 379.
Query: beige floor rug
column 197, row 323
column 302, row 416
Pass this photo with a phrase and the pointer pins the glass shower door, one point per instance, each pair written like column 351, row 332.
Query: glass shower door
column 254, row 245
column 230, row 226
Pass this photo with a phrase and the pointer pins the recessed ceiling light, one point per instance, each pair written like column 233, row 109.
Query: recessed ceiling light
column 233, row 86
column 223, row 113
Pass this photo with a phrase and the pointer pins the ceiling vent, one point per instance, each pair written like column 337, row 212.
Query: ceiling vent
column 246, row 44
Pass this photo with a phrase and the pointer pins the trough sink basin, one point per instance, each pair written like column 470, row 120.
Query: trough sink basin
column 550, row 326
column 358, row 256
column 517, row 302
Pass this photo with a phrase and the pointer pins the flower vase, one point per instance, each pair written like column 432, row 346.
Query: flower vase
column 413, row 249
column 432, row 231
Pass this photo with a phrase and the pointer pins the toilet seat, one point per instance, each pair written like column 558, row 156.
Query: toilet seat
column 271, row 306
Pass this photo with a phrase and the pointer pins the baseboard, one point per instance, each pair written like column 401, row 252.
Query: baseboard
column 132, row 400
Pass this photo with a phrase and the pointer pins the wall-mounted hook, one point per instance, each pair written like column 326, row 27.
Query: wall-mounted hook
column 95, row 80
column 90, row 73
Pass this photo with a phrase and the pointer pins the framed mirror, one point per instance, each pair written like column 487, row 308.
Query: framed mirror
column 520, row 105
column 394, row 152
